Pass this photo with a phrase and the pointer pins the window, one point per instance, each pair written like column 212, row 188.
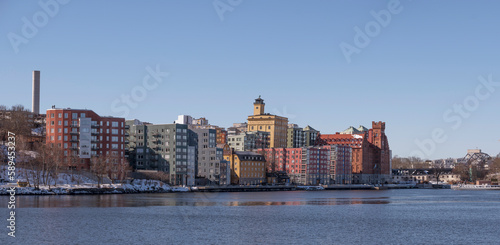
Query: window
column 114, row 139
column 114, row 131
column 59, row 137
column 114, row 124
column 65, row 138
column 52, row 130
column 74, row 115
column 82, row 114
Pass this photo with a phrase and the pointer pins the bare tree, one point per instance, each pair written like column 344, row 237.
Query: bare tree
column 54, row 165
column 463, row 171
column 123, row 168
column 18, row 120
column 495, row 165
column 437, row 171
column 408, row 162
column 42, row 165
column 73, row 160
column 99, row 167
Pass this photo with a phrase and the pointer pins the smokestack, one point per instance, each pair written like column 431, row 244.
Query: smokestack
column 35, row 101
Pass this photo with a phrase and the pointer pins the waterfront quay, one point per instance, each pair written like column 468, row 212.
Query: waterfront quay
column 290, row 188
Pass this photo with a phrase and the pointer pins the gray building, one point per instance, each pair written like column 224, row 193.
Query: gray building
column 225, row 166
column 162, row 147
column 208, row 163
column 248, row 141
column 295, row 136
column 301, row 137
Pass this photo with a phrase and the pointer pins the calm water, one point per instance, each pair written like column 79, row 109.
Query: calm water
column 324, row 217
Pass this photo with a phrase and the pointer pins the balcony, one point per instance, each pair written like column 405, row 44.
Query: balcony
column 95, row 126
column 74, row 125
column 95, row 148
column 127, row 126
column 74, row 148
column 73, row 140
column 126, row 141
column 126, row 134
column 73, row 132
column 94, row 140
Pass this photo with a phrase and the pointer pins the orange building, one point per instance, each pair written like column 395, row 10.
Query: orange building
column 276, row 126
column 247, row 168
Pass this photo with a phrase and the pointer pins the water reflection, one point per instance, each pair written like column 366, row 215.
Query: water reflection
column 134, row 200
column 311, row 202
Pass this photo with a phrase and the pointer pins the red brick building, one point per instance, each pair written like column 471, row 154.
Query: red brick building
column 83, row 133
column 371, row 156
column 307, row 165
column 340, row 164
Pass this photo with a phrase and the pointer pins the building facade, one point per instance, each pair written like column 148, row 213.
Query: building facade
column 237, row 128
column 340, row 164
column 247, row 168
column 208, row 160
column 295, row 136
column 371, row 155
column 306, row 165
column 83, row 134
column 249, row 141
column 275, row 125
column 301, row 137
column 169, row 148
column 202, row 123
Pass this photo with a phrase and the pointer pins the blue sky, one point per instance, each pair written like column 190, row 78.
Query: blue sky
column 423, row 61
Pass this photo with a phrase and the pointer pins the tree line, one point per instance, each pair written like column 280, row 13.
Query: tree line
column 467, row 172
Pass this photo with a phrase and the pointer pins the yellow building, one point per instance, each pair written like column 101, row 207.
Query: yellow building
column 276, row 126
column 247, row 168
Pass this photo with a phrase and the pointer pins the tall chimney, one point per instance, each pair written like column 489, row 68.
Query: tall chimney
column 35, row 101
